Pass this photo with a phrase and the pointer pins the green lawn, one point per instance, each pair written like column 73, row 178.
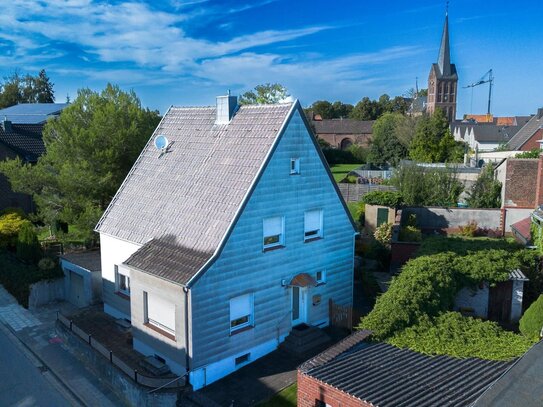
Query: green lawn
column 353, row 208
column 285, row 398
column 340, row 171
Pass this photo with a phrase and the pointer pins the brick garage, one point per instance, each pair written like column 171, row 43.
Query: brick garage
column 311, row 391
column 357, row 373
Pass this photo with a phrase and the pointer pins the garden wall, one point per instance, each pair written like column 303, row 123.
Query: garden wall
column 45, row 292
column 450, row 219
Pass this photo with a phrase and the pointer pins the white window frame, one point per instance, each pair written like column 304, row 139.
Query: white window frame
column 241, row 312
column 322, row 279
column 161, row 325
column 273, row 231
column 313, row 231
column 294, row 166
column 118, row 282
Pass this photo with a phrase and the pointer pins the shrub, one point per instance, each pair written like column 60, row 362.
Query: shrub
column 469, row 229
column 383, row 233
column 452, row 334
column 10, row 225
column 425, row 286
column 46, row 263
column 531, row 322
column 410, row 234
column 28, row 247
column 336, row 156
column 428, row 284
column 391, row 199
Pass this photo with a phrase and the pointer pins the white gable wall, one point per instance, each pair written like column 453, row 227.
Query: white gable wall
column 113, row 252
column 244, row 268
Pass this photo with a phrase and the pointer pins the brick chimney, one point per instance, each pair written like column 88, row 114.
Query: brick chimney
column 226, row 108
column 539, row 184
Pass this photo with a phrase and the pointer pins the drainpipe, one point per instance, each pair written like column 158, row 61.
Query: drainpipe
column 187, row 347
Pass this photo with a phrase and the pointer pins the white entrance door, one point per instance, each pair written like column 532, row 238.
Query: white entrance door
column 299, row 305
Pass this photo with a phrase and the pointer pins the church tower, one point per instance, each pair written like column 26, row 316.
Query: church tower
column 443, row 80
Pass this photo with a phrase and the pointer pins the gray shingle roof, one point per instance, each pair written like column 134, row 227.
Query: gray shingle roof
column 384, row 375
column 25, row 140
column 524, row 134
column 31, row 113
column 343, row 126
column 168, row 259
column 188, row 197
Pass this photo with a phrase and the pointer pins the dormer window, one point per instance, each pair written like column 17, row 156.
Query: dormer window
column 294, row 166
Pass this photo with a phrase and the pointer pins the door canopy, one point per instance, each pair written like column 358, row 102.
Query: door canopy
column 303, row 280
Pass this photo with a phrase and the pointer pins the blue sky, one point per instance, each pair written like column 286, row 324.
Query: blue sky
column 185, row 52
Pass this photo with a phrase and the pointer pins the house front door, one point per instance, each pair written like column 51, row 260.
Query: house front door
column 299, row 305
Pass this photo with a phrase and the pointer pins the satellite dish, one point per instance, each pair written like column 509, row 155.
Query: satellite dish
column 161, row 142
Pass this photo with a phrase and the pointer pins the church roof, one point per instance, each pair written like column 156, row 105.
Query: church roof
column 444, row 68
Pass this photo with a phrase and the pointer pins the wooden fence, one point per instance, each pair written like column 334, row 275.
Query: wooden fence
column 353, row 192
column 341, row 316
column 138, row 377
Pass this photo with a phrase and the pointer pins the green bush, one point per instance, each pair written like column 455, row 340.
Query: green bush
column 10, row 225
column 47, row 263
column 463, row 246
column 531, row 322
column 336, row 156
column 410, row 234
column 383, row 234
column 469, row 229
column 391, row 199
column 28, row 247
column 452, row 334
column 427, row 285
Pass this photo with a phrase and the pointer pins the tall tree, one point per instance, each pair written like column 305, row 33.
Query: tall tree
column 385, row 146
column 26, row 89
column 323, row 108
column 89, row 150
column 486, row 191
column 266, row 94
column 366, row 109
column 433, row 141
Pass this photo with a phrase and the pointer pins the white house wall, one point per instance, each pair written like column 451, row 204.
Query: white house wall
column 243, row 267
column 474, row 298
column 113, row 252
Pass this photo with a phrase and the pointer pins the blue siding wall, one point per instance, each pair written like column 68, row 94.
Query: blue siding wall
column 244, row 268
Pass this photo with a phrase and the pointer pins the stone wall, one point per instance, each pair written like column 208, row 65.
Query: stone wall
column 45, row 292
column 123, row 386
column 450, row 219
column 520, row 183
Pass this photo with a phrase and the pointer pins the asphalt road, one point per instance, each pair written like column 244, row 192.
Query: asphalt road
column 22, row 383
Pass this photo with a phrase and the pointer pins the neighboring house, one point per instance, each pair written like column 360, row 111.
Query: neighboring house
column 32, row 113
column 354, row 373
column 501, row 302
column 522, row 183
column 530, row 135
column 21, row 129
column 220, row 242
column 343, row 133
column 487, row 136
column 82, row 277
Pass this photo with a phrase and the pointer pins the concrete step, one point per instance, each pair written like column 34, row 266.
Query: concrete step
column 303, row 340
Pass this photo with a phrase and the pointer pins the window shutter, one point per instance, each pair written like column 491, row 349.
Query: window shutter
column 313, row 220
column 240, row 307
column 273, row 226
column 161, row 311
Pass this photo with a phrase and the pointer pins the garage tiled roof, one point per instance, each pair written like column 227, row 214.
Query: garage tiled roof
column 384, row 375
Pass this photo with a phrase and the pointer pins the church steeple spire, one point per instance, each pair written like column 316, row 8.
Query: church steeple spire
column 444, row 59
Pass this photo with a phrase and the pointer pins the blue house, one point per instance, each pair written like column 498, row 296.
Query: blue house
column 228, row 232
